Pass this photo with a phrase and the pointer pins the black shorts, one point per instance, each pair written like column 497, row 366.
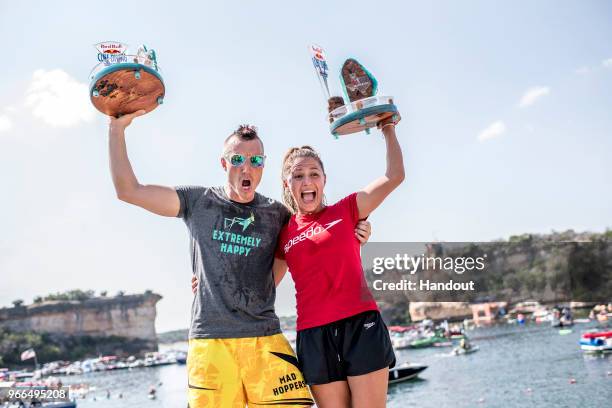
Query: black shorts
column 356, row 345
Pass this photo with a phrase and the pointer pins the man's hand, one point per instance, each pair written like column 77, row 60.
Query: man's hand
column 194, row 284
column 390, row 120
column 363, row 230
column 124, row 121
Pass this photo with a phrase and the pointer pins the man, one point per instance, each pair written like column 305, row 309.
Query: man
column 237, row 353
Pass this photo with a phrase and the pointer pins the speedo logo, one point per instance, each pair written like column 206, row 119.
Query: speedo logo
column 368, row 325
column 309, row 233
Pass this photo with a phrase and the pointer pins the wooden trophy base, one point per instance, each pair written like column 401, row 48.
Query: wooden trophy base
column 362, row 115
column 125, row 88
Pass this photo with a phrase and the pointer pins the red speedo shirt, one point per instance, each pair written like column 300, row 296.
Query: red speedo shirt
column 324, row 259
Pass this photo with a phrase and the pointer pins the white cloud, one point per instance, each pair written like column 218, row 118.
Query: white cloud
column 5, row 123
column 492, row 131
column 58, row 99
column 532, row 95
column 607, row 63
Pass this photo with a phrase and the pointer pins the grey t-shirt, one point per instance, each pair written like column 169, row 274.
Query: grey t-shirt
column 232, row 251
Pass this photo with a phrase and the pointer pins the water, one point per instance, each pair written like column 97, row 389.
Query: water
column 510, row 361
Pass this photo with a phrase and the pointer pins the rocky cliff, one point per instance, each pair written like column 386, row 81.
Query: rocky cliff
column 128, row 316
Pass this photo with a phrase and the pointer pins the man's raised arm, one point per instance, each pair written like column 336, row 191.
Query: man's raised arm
column 157, row 199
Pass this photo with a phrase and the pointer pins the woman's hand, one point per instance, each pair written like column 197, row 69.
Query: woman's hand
column 119, row 124
column 363, row 230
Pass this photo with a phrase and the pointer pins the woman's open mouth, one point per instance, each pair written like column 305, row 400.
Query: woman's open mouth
column 246, row 184
column 308, row 196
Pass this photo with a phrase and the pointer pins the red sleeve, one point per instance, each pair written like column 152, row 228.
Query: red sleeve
column 279, row 252
column 349, row 205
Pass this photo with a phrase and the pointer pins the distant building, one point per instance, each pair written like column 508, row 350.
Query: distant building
column 483, row 313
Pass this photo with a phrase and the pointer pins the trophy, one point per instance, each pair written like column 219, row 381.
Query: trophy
column 360, row 109
column 122, row 83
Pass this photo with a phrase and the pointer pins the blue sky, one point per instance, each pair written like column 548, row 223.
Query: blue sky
column 506, row 125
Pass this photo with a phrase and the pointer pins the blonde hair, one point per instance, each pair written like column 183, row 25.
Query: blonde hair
column 290, row 157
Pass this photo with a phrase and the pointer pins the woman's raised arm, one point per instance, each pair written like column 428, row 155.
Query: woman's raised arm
column 370, row 197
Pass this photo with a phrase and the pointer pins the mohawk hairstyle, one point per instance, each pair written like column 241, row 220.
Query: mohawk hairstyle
column 244, row 133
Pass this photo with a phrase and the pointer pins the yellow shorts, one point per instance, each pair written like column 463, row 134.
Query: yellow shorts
column 258, row 371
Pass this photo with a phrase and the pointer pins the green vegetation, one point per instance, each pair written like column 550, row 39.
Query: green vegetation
column 71, row 295
column 537, row 267
column 75, row 294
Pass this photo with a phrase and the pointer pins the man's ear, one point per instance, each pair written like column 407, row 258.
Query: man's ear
column 224, row 163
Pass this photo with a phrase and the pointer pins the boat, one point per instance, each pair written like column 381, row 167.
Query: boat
column 542, row 315
column 402, row 329
column 596, row 334
column 596, row 342
column 561, row 318
column 22, row 375
column 181, row 357
column 435, row 341
column 603, row 317
column 458, row 351
column 456, row 335
column 402, row 340
column 559, row 323
column 405, row 372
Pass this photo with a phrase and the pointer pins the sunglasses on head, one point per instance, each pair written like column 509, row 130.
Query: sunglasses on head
column 238, row 160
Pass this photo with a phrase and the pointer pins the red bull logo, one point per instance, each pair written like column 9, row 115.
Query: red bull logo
column 111, row 47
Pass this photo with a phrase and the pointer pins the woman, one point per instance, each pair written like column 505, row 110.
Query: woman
column 343, row 346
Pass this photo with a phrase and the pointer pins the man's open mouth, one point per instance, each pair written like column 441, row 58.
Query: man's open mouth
column 246, row 183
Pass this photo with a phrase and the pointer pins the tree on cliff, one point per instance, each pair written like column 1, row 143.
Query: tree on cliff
column 75, row 294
